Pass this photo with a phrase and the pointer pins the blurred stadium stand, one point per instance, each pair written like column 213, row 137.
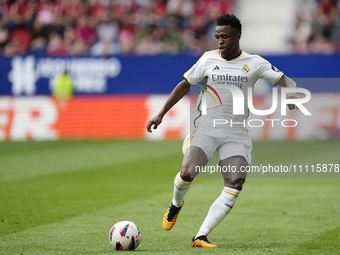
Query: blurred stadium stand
column 123, row 54
column 152, row 27
column 104, row 27
column 266, row 25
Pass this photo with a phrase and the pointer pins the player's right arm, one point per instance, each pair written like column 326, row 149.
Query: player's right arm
column 191, row 78
column 179, row 91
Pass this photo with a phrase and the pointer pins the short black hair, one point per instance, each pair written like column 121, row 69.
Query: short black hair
column 229, row 20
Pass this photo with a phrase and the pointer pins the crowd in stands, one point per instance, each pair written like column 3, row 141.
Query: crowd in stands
column 144, row 27
column 316, row 27
column 109, row 27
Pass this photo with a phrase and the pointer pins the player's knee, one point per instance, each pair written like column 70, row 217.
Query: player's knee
column 236, row 183
column 185, row 173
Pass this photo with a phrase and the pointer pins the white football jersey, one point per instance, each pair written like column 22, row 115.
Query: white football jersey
column 215, row 71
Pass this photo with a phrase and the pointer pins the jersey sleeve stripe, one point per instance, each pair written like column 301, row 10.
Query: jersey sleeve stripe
column 188, row 81
column 278, row 78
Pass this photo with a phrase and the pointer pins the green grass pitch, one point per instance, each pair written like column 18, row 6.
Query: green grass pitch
column 63, row 198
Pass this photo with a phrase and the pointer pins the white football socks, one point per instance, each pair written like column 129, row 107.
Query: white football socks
column 218, row 210
column 180, row 189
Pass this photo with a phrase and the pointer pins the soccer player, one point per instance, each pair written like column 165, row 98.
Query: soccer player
column 228, row 65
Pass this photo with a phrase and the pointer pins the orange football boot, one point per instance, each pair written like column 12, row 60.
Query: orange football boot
column 202, row 241
column 170, row 217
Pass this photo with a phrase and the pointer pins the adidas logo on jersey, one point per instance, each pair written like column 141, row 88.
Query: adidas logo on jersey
column 216, row 68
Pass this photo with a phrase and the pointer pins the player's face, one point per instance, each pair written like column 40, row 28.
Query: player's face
column 227, row 39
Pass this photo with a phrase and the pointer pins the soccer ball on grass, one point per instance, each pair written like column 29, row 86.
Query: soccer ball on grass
column 125, row 236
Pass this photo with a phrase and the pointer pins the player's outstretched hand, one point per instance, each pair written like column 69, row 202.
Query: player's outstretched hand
column 292, row 106
column 153, row 123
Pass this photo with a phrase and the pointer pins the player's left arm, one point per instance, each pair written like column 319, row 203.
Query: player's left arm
column 273, row 75
column 287, row 82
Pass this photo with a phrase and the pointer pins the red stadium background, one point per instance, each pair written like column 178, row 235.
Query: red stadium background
column 125, row 117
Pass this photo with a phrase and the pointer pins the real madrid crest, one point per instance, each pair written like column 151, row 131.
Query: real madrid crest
column 245, row 68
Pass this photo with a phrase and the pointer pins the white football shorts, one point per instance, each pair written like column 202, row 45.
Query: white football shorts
column 227, row 142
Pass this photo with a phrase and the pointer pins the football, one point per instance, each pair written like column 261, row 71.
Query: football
column 125, row 236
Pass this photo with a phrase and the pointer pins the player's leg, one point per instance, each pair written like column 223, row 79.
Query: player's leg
column 194, row 156
column 233, row 183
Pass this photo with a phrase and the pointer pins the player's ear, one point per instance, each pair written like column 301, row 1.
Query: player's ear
column 238, row 36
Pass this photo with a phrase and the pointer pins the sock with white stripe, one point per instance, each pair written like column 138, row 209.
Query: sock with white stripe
column 218, row 210
column 180, row 189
